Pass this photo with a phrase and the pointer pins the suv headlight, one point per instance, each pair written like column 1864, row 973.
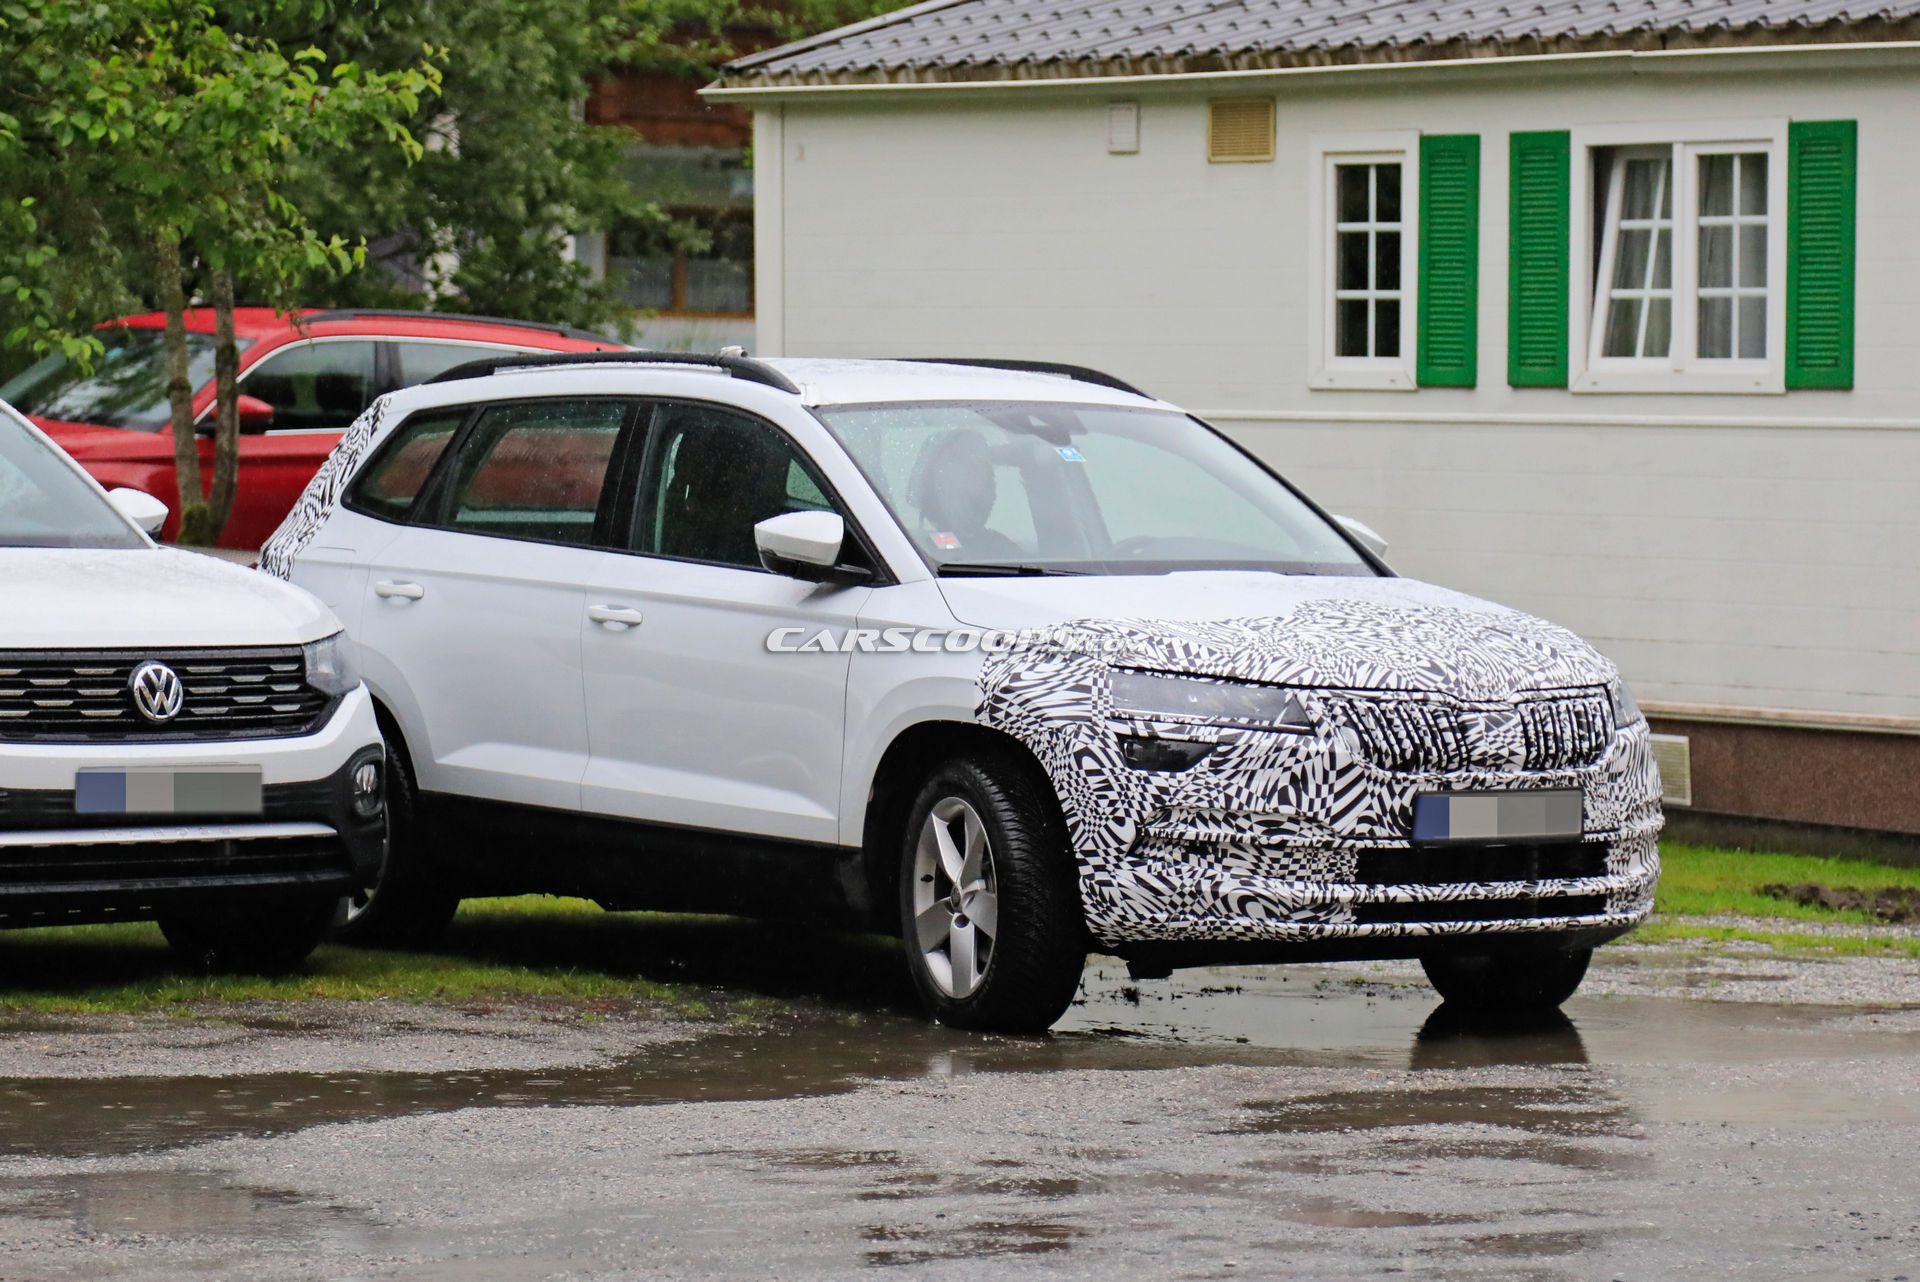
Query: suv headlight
column 330, row 666
column 1626, row 712
column 1158, row 695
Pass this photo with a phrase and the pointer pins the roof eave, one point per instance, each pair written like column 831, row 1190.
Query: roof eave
column 1826, row 37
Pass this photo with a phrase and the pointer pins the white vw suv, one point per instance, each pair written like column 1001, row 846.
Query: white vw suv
column 1010, row 659
column 180, row 740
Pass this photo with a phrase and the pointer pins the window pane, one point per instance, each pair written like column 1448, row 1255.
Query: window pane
column 1352, row 204
column 536, row 471
column 1386, row 205
column 1716, row 328
column 1663, row 260
column 422, row 361
column 642, row 282
column 1623, row 328
column 1753, row 183
column 1630, row 259
column 1716, row 257
column 1350, row 327
column 320, row 386
column 1386, row 326
column 1753, row 328
column 1386, row 261
column 712, row 476
column 1716, row 185
column 389, row 486
column 1753, row 256
column 1659, row 327
column 1645, row 179
column 127, row 386
column 1353, row 260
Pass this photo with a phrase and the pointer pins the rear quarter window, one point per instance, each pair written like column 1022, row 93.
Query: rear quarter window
column 390, row 485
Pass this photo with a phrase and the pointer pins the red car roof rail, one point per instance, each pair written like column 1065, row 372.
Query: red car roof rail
column 740, row 367
column 401, row 313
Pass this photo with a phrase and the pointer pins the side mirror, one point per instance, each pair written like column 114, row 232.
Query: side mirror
column 255, row 414
column 802, row 545
column 1365, row 533
column 140, row 507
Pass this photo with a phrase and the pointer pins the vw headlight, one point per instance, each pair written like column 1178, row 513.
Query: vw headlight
column 330, row 666
column 1158, row 695
column 1626, row 712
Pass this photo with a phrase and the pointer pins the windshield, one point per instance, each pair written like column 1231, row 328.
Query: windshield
column 127, row 388
column 1011, row 488
column 45, row 503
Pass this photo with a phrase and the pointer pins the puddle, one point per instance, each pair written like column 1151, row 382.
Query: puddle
column 163, row 1202
column 1303, row 1016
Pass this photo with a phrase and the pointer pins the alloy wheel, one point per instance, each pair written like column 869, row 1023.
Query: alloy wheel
column 956, row 905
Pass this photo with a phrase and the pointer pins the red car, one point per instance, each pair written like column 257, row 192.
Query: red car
column 304, row 378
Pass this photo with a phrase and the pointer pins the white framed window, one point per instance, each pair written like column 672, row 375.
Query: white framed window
column 1364, row 193
column 1679, row 258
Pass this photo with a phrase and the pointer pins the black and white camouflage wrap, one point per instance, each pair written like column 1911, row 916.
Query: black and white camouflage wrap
column 323, row 492
column 1262, row 839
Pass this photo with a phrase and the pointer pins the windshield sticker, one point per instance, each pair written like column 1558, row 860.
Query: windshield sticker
column 945, row 541
column 1070, row 454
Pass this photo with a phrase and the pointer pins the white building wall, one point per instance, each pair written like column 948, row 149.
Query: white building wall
column 1738, row 552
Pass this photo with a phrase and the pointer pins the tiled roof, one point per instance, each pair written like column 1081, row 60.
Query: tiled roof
column 967, row 37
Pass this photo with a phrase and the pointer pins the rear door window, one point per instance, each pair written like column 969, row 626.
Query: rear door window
column 418, row 362
column 315, row 387
column 535, row 471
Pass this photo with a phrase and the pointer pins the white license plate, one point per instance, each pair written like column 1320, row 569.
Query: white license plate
column 1498, row 816
column 203, row 790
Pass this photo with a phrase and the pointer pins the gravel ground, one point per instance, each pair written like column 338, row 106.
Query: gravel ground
column 1699, row 1113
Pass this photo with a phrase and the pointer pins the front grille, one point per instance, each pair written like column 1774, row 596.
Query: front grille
column 1454, row 865
column 1425, row 733
column 86, row 697
column 1488, row 910
column 156, row 864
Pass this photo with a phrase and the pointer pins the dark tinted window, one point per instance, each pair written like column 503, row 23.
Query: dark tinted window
column 319, row 386
column 711, row 476
column 389, row 485
column 536, row 471
column 422, row 361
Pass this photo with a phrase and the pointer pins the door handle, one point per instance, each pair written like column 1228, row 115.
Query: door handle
column 616, row 618
column 396, row 590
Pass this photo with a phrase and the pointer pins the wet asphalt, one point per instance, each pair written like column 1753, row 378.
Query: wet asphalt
column 1274, row 1122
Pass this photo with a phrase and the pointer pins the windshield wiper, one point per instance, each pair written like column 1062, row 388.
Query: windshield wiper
column 996, row 570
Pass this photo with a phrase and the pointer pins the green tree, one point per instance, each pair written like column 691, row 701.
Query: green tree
column 482, row 222
column 145, row 146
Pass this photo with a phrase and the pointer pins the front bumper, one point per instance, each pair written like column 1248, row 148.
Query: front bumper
column 61, row 868
column 1289, row 840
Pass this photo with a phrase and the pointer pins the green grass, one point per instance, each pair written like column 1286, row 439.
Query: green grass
column 130, row 968
column 1699, row 881
column 567, row 954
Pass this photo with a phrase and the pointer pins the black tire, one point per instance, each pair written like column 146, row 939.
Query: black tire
column 410, row 904
column 1507, row 983
column 265, row 938
column 1038, row 946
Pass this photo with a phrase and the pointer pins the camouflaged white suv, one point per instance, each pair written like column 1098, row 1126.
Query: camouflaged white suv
column 1010, row 659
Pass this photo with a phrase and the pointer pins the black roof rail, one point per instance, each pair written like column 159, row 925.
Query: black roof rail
column 1078, row 373
column 402, row 313
column 740, row 367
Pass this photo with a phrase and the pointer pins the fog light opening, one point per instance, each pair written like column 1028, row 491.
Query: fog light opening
column 368, row 782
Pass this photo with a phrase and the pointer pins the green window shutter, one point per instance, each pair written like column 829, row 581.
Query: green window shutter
column 1537, row 259
column 1448, row 346
column 1822, row 158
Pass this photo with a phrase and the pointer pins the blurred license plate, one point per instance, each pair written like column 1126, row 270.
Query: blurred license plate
column 205, row 790
column 1497, row 816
